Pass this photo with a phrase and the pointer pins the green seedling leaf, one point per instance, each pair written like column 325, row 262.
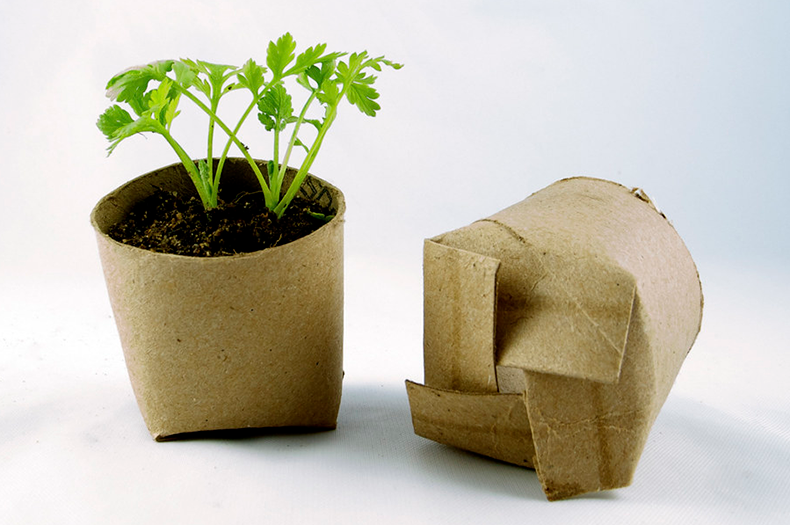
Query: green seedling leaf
column 375, row 63
column 330, row 93
column 318, row 75
column 358, row 85
column 280, row 54
column 171, row 112
column 195, row 69
column 185, row 75
column 130, row 86
column 347, row 71
column 117, row 125
column 113, row 119
column 251, row 76
column 363, row 96
column 311, row 57
column 162, row 102
column 276, row 110
column 307, row 58
column 216, row 72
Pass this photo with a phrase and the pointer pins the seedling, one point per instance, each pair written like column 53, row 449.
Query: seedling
column 328, row 78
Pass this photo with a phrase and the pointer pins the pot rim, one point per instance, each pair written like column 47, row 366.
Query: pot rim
column 337, row 220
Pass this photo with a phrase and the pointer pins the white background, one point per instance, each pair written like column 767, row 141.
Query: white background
column 498, row 98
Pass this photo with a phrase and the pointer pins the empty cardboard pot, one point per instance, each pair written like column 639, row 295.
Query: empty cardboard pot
column 554, row 331
column 244, row 341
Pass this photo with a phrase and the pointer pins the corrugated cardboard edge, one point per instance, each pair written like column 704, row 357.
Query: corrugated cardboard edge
column 247, row 345
column 595, row 445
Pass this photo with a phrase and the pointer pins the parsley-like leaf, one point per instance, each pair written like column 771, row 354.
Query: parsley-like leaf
column 251, row 76
column 163, row 102
column 280, row 54
column 114, row 118
column 329, row 94
column 311, row 57
column 117, row 124
column 185, row 75
column 130, row 86
column 361, row 95
column 276, row 110
column 358, row 85
column 216, row 72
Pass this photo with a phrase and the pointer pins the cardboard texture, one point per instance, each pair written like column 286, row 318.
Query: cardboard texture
column 554, row 331
column 246, row 341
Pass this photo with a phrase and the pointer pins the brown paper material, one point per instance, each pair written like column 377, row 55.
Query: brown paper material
column 252, row 340
column 574, row 308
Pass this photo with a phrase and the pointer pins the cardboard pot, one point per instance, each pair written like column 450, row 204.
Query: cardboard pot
column 554, row 331
column 244, row 341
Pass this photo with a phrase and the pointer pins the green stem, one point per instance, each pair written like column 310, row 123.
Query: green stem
column 210, row 145
column 264, row 186
column 308, row 162
column 225, row 150
column 189, row 164
column 297, row 126
column 275, row 179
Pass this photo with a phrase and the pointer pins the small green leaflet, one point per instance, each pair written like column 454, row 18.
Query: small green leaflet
column 185, row 75
column 117, row 124
column 276, row 109
column 329, row 94
column 311, row 57
column 362, row 95
column 316, row 74
column 250, row 76
column 357, row 84
column 280, row 54
column 114, row 118
column 130, row 86
column 163, row 102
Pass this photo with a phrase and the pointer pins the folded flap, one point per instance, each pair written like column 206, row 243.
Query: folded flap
column 460, row 319
column 575, row 323
column 587, row 436
column 495, row 425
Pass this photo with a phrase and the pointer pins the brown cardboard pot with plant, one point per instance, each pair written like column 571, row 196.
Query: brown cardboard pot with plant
column 248, row 340
column 250, row 337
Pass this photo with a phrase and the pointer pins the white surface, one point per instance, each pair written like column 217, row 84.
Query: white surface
column 74, row 449
column 687, row 100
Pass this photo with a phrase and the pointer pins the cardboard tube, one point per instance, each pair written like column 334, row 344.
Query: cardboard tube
column 594, row 305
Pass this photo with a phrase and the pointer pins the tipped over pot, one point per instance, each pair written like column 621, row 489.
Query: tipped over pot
column 554, row 330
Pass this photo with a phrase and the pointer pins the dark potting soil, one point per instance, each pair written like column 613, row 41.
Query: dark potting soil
column 168, row 223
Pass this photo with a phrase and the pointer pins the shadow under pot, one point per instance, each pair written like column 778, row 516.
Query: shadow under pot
column 242, row 341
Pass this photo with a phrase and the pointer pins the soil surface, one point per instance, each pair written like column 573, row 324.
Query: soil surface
column 169, row 223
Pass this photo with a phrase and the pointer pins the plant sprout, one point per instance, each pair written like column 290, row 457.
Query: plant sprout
column 329, row 78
